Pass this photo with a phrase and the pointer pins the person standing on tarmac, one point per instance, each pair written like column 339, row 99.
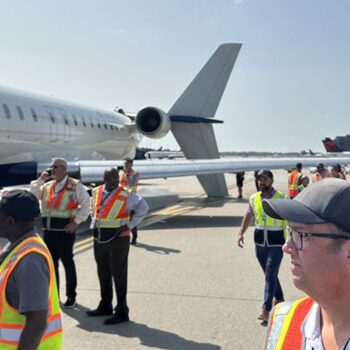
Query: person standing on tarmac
column 30, row 316
column 111, row 223
column 319, row 250
column 64, row 204
column 294, row 181
column 337, row 172
column 269, row 239
column 321, row 173
column 129, row 179
column 239, row 183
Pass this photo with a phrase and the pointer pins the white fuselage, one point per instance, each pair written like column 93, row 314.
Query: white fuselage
column 34, row 127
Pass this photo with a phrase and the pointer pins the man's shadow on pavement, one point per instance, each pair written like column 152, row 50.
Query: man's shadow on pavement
column 156, row 249
column 150, row 337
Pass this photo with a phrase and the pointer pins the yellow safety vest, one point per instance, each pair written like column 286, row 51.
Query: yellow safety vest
column 12, row 321
column 293, row 180
column 110, row 212
column 129, row 181
column 286, row 320
column 263, row 221
column 60, row 205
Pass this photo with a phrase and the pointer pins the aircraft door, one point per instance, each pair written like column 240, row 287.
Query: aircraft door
column 53, row 125
column 66, row 125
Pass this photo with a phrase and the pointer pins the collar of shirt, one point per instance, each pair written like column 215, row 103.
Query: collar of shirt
column 311, row 330
column 61, row 184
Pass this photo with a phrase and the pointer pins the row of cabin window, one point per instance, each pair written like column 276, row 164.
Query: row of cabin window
column 52, row 118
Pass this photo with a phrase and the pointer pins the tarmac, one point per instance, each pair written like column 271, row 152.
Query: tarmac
column 190, row 286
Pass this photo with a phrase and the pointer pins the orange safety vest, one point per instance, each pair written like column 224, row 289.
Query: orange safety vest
column 110, row 213
column 293, row 183
column 284, row 331
column 124, row 180
column 61, row 205
column 12, row 321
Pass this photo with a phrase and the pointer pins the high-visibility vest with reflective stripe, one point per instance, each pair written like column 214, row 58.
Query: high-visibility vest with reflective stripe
column 293, row 183
column 284, row 330
column 62, row 204
column 111, row 212
column 263, row 221
column 12, row 321
column 129, row 181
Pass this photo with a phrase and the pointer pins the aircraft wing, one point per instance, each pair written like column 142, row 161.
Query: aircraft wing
column 92, row 171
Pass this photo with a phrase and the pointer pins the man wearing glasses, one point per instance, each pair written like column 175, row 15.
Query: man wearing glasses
column 268, row 239
column 64, row 205
column 319, row 247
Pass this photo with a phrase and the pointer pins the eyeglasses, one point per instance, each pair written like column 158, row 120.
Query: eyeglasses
column 297, row 237
column 57, row 166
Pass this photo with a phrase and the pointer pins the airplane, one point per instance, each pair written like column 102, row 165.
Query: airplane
column 164, row 154
column 35, row 128
column 310, row 153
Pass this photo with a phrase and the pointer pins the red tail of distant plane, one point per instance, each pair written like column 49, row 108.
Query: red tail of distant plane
column 330, row 145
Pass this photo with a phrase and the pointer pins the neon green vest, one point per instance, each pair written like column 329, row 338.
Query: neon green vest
column 263, row 221
column 11, row 321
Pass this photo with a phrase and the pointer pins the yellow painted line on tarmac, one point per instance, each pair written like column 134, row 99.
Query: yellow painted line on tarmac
column 83, row 241
column 83, row 247
column 162, row 214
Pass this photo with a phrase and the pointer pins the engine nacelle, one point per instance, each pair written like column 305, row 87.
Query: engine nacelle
column 153, row 122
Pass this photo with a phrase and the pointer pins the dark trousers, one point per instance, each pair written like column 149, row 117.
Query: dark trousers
column 134, row 233
column 270, row 260
column 60, row 245
column 112, row 264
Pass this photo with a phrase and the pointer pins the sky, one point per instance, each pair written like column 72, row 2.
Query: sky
column 288, row 90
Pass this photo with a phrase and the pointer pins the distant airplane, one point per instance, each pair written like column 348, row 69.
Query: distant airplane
column 311, row 153
column 34, row 129
column 164, row 154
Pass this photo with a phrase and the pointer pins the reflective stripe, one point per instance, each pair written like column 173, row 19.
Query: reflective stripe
column 129, row 181
column 11, row 321
column 285, row 328
column 263, row 221
column 12, row 333
column 104, row 223
column 111, row 212
column 62, row 204
column 55, row 213
column 276, row 322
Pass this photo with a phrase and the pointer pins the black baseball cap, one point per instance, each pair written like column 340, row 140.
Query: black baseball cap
column 21, row 205
column 326, row 201
column 264, row 173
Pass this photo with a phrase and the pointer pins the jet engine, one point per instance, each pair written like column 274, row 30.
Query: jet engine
column 153, row 122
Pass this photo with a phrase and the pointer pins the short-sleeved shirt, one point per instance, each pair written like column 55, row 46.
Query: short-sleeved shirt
column 28, row 285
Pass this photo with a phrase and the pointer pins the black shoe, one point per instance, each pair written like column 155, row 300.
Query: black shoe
column 133, row 241
column 116, row 318
column 69, row 304
column 100, row 312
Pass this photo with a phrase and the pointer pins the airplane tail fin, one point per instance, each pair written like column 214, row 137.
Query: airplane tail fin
column 193, row 114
